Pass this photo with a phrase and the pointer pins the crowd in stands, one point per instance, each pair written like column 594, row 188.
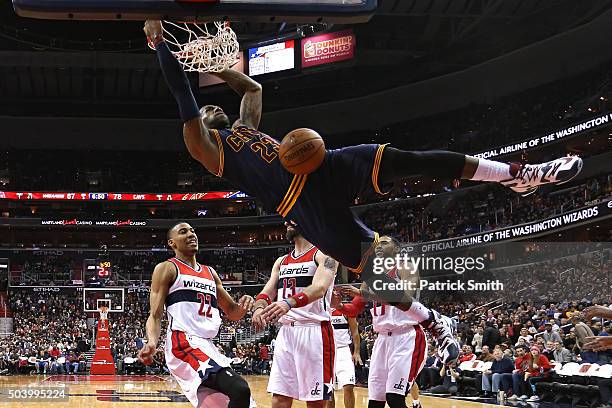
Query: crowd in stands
column 525, row 344
column 50, row 335
column 475, row 210
column 539, row 272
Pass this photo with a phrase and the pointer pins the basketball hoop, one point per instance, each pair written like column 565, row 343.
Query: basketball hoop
column 103, row 313
column 203, row 47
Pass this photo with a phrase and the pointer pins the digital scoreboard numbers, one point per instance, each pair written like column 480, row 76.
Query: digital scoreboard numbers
column 104, row 269
column 97, row 270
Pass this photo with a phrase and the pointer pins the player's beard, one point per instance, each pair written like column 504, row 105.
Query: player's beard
column 291, row 234
column 220, row 122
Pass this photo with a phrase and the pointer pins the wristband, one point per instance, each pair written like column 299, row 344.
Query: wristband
column 288, row 304
column 301, row 299
column 257, row 308
column 263, row 296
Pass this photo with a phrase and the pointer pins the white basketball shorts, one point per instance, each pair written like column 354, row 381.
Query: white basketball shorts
column 303, row 364
column 397, row 359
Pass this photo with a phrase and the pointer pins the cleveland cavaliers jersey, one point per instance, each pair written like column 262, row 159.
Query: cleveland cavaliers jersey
column 387, row 318
column 192, row 301
column 342, row 335
column 249, row 159
column 295, row 274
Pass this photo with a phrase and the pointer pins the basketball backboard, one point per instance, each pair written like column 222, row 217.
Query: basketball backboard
column 94, row 298
column 333, row 11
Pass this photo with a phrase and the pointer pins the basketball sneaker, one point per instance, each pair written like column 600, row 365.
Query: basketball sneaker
column 530, row 176
column 443, row 329
column 417, row 404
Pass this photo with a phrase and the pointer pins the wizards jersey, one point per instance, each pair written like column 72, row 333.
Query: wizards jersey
column 191, row 303
column 386, row 318
column 295, row 274
column 342, row 335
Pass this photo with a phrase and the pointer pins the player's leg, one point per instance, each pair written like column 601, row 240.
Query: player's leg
column 281, row 401
column 396, row 400
column 229, row 382
column 316, row 404
column 399, row 164
column 414, row 393
column 405, row 360
column 349, row 396
column 283, row 382
column 345, row 375
column 332, row 402
column 377, row 375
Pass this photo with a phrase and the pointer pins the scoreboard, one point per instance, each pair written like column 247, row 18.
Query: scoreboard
column 99, row 269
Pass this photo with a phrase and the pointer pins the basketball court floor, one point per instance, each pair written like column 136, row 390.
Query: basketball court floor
column 154, row 391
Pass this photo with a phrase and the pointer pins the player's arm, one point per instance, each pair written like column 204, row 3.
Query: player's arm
column 598, row 343
column 196, row 136
column 265, row 296
column 357, row 305
column 354, row 328
column 163, row 276
column 250, row 91
column 322, row 280
column 597, row 311
column 233, row 310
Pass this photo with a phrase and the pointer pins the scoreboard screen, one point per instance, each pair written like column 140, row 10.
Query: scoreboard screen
column 272, row 58
column 97, row 270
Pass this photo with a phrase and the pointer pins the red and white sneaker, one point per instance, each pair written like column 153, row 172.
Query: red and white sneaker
column 530, row 176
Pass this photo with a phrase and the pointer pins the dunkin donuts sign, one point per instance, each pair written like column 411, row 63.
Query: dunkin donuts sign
column 327, row 48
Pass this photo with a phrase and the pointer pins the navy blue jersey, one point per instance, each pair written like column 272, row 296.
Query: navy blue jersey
column 249, row 159
column 318, row 202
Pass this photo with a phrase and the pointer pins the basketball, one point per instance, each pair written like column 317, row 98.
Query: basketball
column 302, row 151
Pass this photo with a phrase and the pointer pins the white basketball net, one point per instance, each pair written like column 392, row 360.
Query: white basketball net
column 205, row 47
column 103, row 313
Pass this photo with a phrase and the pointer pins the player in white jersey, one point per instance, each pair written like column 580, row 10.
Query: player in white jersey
column 303, row 365
column 346, row 330
column 193, row 294
column 400, row 348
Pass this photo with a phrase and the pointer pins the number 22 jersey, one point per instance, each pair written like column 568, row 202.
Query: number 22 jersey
column 191, row 303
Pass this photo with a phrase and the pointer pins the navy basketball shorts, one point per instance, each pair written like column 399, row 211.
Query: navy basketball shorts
column 322, row 208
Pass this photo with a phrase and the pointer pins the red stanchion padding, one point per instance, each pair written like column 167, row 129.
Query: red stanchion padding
column 103, row 362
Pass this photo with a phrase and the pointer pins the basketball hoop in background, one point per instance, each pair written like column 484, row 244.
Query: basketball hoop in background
column 202, row 47
column 103, row 316
column 103, row 313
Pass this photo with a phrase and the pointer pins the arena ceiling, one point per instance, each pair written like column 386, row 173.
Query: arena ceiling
column 52, row 68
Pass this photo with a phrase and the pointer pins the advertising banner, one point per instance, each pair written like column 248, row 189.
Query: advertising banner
column 597, row 122
column 592, row 213
column 328, row 48
column 65, row 196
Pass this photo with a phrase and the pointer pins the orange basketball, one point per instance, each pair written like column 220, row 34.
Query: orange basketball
column 302, row 151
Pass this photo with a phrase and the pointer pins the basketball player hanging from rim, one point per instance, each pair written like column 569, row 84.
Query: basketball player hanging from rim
column 319, row 202
column 192, row 295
